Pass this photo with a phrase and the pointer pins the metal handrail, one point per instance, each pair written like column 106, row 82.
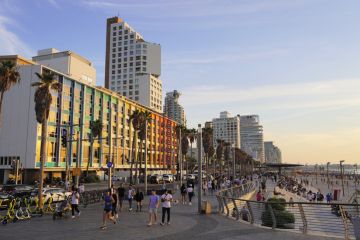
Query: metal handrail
column 313, row 218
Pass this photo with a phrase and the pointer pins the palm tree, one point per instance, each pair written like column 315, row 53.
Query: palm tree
column 191, row 134
column 43, row 100
column 227, row 156
column 134, row 120
column 207, row 138
column 219, row 153
column 9, row 76
column 95, row 132
column 145, row 118
column 210, row 156
column 185, row 145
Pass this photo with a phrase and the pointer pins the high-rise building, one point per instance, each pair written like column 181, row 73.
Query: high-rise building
column 252, row 140
column 132, row 65
column 73, row 108
column 69, row 63
column 173, row 109
column 272, row 153
column 227, row 128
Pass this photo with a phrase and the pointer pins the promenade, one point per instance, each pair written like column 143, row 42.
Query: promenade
column 186, row 223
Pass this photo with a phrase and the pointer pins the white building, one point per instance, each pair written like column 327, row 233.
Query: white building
column 272, row 153
column 252, row 140
column 69, row 63
column 173, row 109
column 227, row 128
column 133, row 66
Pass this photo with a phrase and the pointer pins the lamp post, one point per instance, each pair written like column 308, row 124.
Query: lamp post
column 146, row 156
column 342, row 176
column 200, row 146
column 234, row 169
column 316, row 173
column 327, row 174
column 355, row 175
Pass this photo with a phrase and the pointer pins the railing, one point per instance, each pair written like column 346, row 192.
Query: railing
column 331, row 220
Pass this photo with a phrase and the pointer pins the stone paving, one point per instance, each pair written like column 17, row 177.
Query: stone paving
column 185, row 224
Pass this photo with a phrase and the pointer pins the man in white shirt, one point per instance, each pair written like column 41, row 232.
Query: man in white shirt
column 75, row 196
column 166, row 200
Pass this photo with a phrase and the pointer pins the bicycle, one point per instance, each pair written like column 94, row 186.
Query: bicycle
column 49, row 208
column 10, row 214
column 33, row 207
column 21, row 211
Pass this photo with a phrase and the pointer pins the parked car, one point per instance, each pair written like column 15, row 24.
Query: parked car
column 156, row 178
column 18, row 191
column 168, row 178
column 58, row 194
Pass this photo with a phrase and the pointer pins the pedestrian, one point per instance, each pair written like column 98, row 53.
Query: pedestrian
column 153, row 207
column 75, row 196
column 108, row 199
column 114, row 203
column 166, row 200
column 259, row 196
column 131, row 193
column 209, row 186
column 139, row 197
column 183, row 194
column 121, row 194
column 204, row 187
column 190, row 191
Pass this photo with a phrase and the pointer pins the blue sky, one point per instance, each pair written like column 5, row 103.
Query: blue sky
column 295, row 63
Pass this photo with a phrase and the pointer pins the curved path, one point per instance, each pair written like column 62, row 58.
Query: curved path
column 185, row 224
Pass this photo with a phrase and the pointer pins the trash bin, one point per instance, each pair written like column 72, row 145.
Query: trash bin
column 206, row 207
column 356, row 224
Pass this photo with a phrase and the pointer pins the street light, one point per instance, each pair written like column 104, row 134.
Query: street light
column 342, row 176
column 200, row 149
column 234, row 169
column 327, row 173
column 355, row 175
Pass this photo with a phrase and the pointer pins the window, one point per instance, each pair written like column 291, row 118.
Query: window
column 124, row 94
column 114, row 28
column 136, row 98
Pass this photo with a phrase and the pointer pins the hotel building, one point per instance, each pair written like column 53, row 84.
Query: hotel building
column 132, row 65
column 272, row 153
column 73, row 108
column 227, row 128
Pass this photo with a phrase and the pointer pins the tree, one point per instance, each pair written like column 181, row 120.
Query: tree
column 210, row 156
column 185, row 145
column 43, row 100
column 219, row 153
column 227, row 156
column 144, row 119
column 191, row 134
column 207, row 139
column 9, row 76
column 134, row 120
column 95, row 132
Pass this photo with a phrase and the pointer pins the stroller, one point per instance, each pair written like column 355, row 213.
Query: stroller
column 62, row 208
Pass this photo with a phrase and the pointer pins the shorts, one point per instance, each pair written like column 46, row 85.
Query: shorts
column 153, row 210
column 107, row 210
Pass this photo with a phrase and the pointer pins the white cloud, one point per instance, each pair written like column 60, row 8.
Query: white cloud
column 10, row 43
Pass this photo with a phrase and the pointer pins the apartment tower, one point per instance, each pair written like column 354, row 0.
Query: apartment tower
column 132, row 65
column 173, row 109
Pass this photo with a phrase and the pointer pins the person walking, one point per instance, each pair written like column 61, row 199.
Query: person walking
column 183, row 194
column 166, row 199
column 154, row 202
column 190, row 191
column 108, row 199
column 114, row 203
column 121, row 194
column 75, row 197
column 131, row 194
column 139, row 197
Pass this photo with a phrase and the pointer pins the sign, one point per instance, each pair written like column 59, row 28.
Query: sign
column 76, row 172
column 173, row 171
column 109, row 164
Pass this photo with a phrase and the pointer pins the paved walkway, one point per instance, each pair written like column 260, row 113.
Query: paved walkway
column 185, row 224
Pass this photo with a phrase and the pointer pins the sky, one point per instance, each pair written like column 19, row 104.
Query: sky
column 295, row 63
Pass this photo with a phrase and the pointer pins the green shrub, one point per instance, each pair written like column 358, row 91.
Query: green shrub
column 92, row 179
column 282, row 216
